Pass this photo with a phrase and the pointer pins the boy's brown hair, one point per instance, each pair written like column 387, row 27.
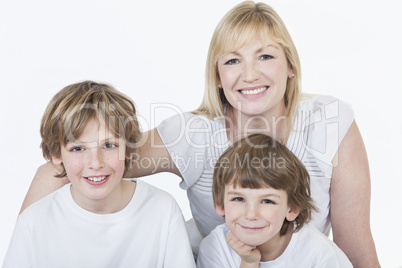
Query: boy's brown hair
column 70, row 110
column 259, row 161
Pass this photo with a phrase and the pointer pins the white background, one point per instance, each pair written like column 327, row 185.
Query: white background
column 155, row 52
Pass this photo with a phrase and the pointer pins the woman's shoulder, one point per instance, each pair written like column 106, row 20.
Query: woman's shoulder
column 324, row 107
column 313, row 102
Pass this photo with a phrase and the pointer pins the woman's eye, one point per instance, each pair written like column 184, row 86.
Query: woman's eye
column 109, row 145
column 266, row 57
column 231, row 62
column 77, row 149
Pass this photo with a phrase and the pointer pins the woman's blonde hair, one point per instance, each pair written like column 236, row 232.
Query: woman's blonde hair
column 74, row 106
column 239, row 27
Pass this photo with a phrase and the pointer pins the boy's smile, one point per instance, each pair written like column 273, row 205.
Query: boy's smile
column 94, row 164
column 97, row 180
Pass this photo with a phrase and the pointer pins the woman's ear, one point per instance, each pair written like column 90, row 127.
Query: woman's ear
column 220, row 210
column 291, row 73
column 292, row 214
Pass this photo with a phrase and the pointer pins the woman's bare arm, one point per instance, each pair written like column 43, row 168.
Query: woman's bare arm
column 151, row 158
column 43, row 183
column 147, row 160
column 350, row 201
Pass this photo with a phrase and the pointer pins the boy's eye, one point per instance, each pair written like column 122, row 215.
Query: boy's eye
column 238, row 199
column 77, row 149
column 231, row 62
column 109, row 145
column 266, row 57
column 267, row 201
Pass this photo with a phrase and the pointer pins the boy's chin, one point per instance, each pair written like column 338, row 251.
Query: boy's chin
column 250, row 242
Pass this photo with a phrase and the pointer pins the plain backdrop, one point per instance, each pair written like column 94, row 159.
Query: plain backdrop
column 155, row 51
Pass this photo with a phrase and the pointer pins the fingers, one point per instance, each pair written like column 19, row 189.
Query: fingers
column 238, row 246
column 247, row 253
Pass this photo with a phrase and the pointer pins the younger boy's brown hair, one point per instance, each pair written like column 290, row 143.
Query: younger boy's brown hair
column 259, row 161
column 74, row 106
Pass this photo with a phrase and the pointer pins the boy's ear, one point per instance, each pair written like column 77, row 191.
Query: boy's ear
column 56, row 160
column 292, row 214
column 220, row 210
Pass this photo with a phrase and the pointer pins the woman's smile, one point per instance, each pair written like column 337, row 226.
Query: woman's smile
column 253, row 92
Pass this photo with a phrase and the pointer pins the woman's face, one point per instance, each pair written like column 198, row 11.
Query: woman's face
column 254, row 78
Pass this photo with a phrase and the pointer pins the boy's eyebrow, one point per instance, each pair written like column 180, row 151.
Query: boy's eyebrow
column 265, row 195
column 79, row 142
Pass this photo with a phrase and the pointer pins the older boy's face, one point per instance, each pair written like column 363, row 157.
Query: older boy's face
column 255, row 216
column 94, row 164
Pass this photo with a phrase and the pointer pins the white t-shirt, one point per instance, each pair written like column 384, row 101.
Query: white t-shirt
column 56, row 232
column 307, row 248
column 196, row 142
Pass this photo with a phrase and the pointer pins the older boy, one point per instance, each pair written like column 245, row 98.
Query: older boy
column 263, row 192
column 90, row 130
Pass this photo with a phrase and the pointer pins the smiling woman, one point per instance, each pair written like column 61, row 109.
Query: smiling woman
column 254, row 78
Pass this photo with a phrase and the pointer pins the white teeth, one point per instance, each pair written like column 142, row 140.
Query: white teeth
column 254, row 91
column 96, row 178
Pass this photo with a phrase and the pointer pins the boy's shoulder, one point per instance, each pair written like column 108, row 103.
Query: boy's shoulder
column 216, row 239
column 147, row 193
column 315, row 238
column 45, row 206
column 311, row 241
column 215, row 251
column 152, row 191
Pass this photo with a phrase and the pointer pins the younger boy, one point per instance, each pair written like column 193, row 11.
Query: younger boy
column 263, row 192
column 98, row 220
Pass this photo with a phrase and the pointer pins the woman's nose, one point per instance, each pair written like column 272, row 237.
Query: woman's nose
column 251, row 72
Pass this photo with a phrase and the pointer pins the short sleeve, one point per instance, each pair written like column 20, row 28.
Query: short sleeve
column 178, row 249
column 19, row 253
column 328, row 122
column 186, row 137
column 208, row 256
column 215, row 252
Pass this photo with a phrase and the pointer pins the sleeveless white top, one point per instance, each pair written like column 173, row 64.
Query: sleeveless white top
column 196, row 142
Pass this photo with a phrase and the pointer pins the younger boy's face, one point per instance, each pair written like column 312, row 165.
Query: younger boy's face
column 94, row 164
column 255, row 216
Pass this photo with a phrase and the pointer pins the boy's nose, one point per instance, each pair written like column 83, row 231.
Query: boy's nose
column 251, row 213
column 95, row 159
